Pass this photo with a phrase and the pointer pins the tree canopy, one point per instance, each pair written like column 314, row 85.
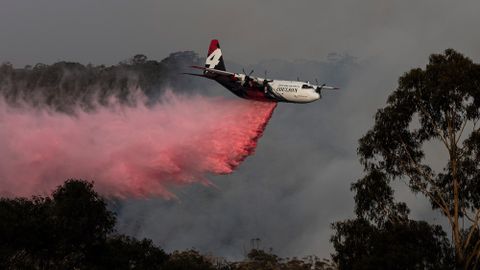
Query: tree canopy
column 71, row 230
column 438, row 105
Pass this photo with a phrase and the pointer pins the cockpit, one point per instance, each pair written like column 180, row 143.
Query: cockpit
column 306, row 86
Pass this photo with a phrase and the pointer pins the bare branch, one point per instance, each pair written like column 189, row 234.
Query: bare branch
column 473, row 228
column 442, row 204
column 461, row 131
column 475, row 253
column 472, row 220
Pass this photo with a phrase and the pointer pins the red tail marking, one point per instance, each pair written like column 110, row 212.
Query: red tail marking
column 213, row 46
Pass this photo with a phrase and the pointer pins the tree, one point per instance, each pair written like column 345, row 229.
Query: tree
column 189, row 259
column 71, row 230
column 81, row 217
column 438, row 105
column 258, row 259
column 408, row 244
column 383, row 237
column 138, row 59
column 124, row 253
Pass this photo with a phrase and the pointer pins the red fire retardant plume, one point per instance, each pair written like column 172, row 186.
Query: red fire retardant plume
column 128, row 151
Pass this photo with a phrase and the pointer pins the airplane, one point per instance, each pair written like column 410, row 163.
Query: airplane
column 256, row 88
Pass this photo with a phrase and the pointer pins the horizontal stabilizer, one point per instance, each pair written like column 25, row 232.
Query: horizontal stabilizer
column 193, row 74
column 216, row 71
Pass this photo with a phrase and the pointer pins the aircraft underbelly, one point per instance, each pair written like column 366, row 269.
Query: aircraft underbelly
column 298, row 97
column 261, row 94
column 253, row 93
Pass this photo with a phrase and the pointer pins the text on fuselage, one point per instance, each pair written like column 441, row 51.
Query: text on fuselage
column 287, row 88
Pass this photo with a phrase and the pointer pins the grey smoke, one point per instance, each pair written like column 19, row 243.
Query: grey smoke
column 298, row 181
column 278, row 195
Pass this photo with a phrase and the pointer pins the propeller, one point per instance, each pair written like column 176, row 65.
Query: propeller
column 251, row 72
column 319, row 88
column 247, row 77
column 265, row 80
column 265, row 83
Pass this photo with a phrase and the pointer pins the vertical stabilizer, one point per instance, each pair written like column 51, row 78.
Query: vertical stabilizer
column 214, row 56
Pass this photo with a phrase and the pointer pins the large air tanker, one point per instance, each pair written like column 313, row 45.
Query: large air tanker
column 256, row 88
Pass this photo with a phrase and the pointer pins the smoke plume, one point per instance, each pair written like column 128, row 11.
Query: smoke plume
column 128, row 150
column 137, row 128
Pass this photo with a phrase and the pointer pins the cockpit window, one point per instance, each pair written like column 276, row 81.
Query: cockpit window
column 306, row 86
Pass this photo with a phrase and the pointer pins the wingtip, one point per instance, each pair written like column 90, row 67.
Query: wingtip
column 193, row 74
column 197, row 67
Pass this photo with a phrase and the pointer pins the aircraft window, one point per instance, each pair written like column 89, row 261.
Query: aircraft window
column 306, row 86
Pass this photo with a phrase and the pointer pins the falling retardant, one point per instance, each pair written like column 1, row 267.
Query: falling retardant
column 128, row 150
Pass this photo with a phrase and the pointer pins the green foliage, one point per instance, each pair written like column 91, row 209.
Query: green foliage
column 374, row 199
column 439, row 104
column 70, row 230
column 261, row 260
column 445, row 100
column 393, row 245
column 123, row 252
column 189, row 259
column 80, row 217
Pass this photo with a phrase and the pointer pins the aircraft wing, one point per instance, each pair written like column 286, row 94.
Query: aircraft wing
column 326, row 87
column 216, row 71
column 330, row 87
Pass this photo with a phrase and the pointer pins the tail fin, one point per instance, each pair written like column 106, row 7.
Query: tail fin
column 214, row 57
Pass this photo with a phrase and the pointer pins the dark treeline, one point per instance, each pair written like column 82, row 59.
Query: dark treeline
column 64, row 85
column 73, row 229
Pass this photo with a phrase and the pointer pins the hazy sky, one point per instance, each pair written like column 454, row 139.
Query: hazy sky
column 298, row 181
column 111, row 30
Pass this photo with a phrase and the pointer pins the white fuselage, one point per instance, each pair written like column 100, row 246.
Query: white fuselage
column 288, row 91
column 292, row 91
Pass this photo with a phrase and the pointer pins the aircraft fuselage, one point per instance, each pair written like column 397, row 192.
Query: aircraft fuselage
column 256, row 88
column 273, row 90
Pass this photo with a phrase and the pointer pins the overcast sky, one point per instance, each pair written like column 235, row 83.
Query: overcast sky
column 298, row 181
column 108, row 31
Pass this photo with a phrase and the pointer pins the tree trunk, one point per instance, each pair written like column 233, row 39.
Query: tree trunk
column 457, row 237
